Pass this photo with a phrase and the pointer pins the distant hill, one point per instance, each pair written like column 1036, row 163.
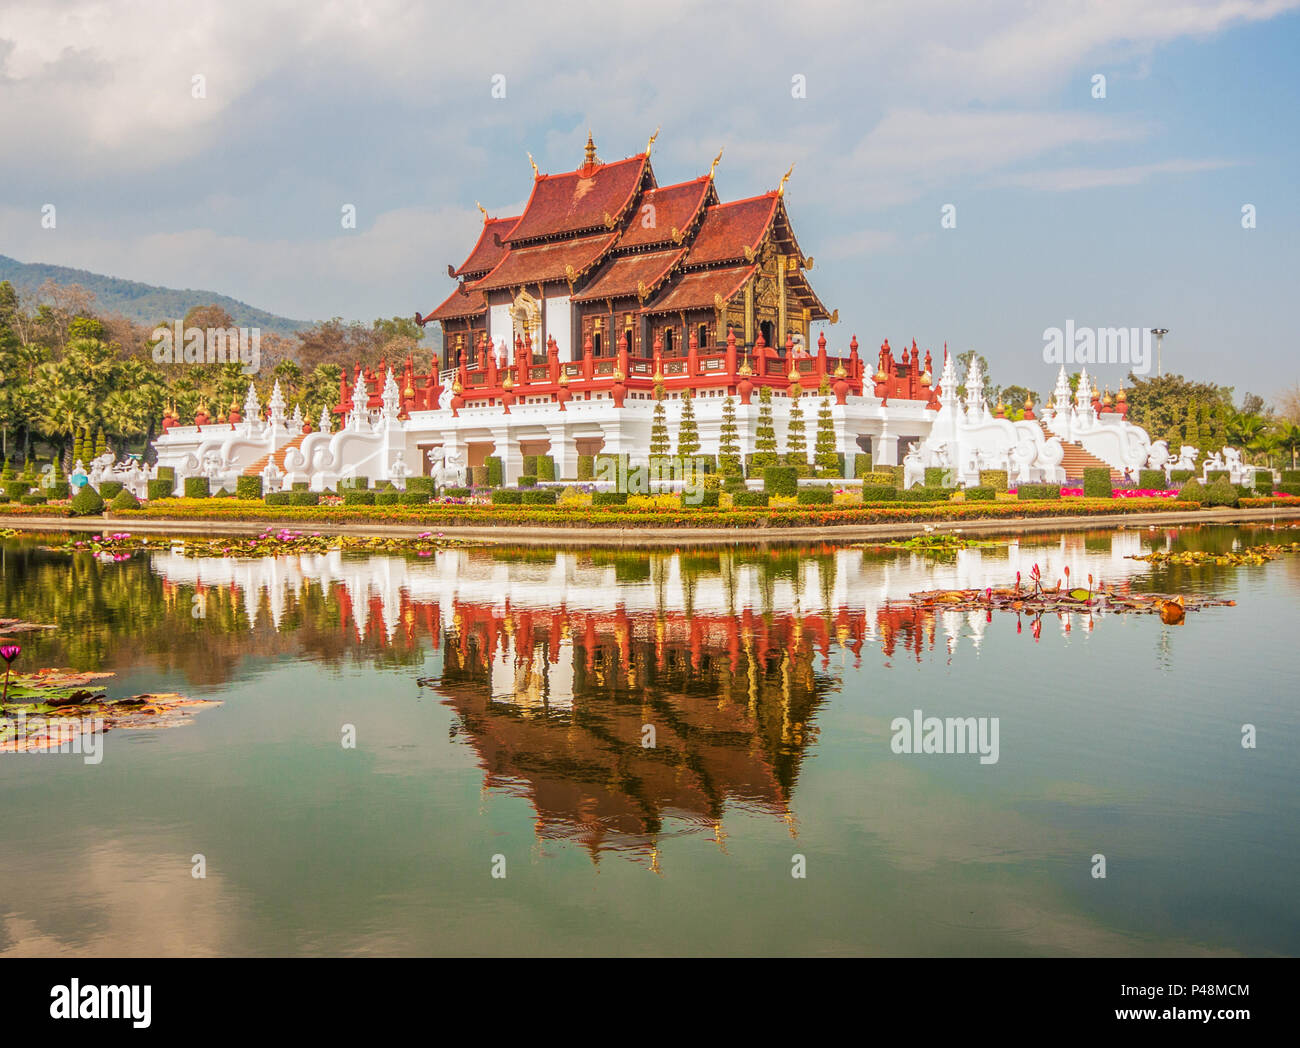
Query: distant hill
column 143, row 303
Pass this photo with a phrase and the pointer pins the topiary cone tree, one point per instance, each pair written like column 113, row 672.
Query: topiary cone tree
column 688, row 430
column 796, row 436
column 824, row 453
column 729, row 464
column 764, row 434
column 660, row 444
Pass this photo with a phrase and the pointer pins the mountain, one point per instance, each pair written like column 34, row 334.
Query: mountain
column 143, row 303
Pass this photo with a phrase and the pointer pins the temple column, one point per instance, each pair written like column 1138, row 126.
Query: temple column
column 564, row 450
column 884, row 447
column 507, row 450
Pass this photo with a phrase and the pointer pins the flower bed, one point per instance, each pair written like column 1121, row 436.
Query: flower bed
column 630, row 516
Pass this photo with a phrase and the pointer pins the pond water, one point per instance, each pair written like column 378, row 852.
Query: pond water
column 504, row 703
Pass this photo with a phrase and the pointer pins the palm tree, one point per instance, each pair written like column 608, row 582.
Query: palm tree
column 1286, row 434
column 61, row 413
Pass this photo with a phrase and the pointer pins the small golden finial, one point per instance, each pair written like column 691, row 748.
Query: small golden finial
column 716, row 160
column 780, row 190
column 651, row 143
column 534, row 163
column 482, row 209
column 589, row 155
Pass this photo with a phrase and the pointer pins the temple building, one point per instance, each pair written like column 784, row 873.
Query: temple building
column 611, row 296
column 604, row 257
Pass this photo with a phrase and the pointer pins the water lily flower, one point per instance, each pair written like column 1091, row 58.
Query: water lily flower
column 8, row 652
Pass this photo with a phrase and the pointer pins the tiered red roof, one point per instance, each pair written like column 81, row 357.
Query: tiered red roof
column 674, row 210
column 460, row 303
column 547, row 261
column 632, row 275
column 697, row 288
column 593, row 197
column 487, row 252
column 728, row 229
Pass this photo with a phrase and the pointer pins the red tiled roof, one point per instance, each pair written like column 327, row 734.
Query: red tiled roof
column 459, row 304
column 728, row 229
column 541, row 262
column 695, row 290
column 675, row 207
column 486, row 254
column 624, row 276
column 579, row 200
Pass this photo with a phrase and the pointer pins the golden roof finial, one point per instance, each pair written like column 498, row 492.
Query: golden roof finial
column 534, row 163
column 482, row 209
column 649, row 144
column 780, row 190
column 716, row 160
column 589, row 155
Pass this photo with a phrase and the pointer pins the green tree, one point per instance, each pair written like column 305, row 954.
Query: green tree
column 688, row 430
column 660, row 442
column 824, row 453
column 764, row 434
column 729, row 464
column 796, row 436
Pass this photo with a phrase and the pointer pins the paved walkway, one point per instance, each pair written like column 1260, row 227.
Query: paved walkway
column 589, row 537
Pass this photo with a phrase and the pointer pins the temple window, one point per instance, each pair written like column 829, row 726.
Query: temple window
column 702, row 336
column 668, row 340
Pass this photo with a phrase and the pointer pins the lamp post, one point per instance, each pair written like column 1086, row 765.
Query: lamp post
column 1160, row 334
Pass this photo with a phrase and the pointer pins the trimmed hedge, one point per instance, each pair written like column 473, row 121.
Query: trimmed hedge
column 1150, row 480
column 1096, row 482
column 980, row 494
column 993, row 478
column 109, row 488
column 1192, row 491
column 196, row 488
column 881, row 493
column 1222, row 492
column 1289, row 488
column 1291, row 476
column 861, row 466
column 355, row 497
column 420, row 485
column 609, row 498
column 418, row 498
column 168, row 473
column 1263, row 481
column 124, row 499
column 586, row 467
column 1181, row 476
column 507, row 497
column 481, row 477
column 528, row 480
column 161, row 489
column 937, row 476
column 879, row 478
column 708, row 500
column 1217, row 474
column 816, row 497
column 86, row 503
column 455, row 493
column 248, row 487
column 495, row 472
column 539, row 497
column 35, row 500
column 282, row 498
column 750, row 499
column 781, row 480
column 1038, row 491
column 386, row 498
column 300, row 485
column 304, row 498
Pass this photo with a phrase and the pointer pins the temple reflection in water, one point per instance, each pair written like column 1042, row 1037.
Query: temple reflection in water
column 559, row 664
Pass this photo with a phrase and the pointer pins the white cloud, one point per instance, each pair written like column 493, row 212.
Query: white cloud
column 1071, row 178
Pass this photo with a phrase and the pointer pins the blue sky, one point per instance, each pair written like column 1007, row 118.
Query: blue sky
column 1117, row 212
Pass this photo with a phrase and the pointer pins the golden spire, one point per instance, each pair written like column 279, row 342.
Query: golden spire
column 534, row 163
column 589, row 155
column 780, row 191
column 482, row 209
column 716, row 160
column 649, row 144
